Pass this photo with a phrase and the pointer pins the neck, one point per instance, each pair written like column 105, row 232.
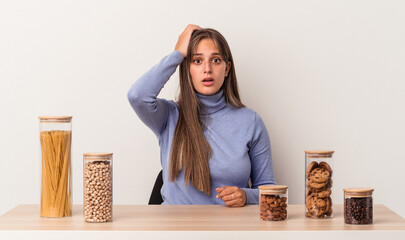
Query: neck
column 212, row 103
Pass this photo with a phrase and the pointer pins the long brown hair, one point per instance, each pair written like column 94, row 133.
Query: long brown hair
column 190, row 150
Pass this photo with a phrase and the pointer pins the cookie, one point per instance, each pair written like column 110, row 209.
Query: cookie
column 316, row 206
column 326, row 166
column 317, row 190
column 329, row 213
column 311, row 167
column 322, row 205
column 328, row 201
column 308, row 214
column 308, row 201
column 330, row 183
column 308, row 192
column 323, row 194
column 319, row 175
column 317, row 185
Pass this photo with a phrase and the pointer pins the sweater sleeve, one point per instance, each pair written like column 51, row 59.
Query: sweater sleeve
column 261, row 161
column 143, row 94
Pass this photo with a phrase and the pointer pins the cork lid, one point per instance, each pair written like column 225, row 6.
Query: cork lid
column 59, row 119
column 358, row 192
column 319, row 153
column 99, row 156
column 274, row 188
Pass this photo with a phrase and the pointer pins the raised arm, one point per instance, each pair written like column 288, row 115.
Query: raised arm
column 143, row 93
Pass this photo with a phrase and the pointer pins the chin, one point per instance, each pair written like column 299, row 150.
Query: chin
column 208, row 91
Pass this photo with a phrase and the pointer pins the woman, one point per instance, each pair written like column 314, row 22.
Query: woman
column 210, row 143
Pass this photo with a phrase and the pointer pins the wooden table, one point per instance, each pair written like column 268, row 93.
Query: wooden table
column 196, row 222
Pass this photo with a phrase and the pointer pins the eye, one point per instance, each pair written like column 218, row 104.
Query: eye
column 197, row 61
column 216, row 60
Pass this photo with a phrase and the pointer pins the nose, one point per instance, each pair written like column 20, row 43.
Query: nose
column 207, row 67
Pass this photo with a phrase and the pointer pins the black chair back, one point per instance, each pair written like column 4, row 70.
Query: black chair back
column 156, row 197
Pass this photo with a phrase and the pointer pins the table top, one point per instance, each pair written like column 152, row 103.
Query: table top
column 194, row 218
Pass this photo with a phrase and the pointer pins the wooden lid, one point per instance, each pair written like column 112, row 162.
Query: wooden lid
column 274, row 188
column 55, row 118
column 358, row 192
column 319, row 153
column 98, row 156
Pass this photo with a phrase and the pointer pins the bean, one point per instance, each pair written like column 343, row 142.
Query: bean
column 272, row 208
column 98, row 191
column 358, row 210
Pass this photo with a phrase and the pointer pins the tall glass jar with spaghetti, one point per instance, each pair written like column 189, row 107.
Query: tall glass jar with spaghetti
column 318, row 183
column 97, row 187
column 56, row 181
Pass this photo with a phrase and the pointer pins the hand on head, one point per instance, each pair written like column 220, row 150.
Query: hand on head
column 232, row 196
column 184, row 39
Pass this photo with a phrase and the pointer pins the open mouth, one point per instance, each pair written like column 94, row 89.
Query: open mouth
column 208, row 80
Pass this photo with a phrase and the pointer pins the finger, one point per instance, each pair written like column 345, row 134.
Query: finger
column 234, row 203
column 193, row 26
column 223, row 191
column 227, row 191
column 220, row 189
column 184, row 39
column 190, row 31
column 232, row 196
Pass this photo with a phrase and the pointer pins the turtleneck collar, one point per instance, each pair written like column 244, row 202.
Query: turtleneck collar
column 213, row 103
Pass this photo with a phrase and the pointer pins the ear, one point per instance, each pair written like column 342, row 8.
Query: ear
column 228, row 67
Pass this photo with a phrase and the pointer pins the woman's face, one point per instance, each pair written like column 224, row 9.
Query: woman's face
column 207, row 68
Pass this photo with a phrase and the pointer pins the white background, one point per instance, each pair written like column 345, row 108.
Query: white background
column 322, row 75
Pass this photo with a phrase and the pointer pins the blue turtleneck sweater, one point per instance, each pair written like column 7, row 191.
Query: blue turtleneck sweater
column 238, row 138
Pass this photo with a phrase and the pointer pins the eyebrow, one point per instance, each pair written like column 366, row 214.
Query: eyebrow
column 200, row 54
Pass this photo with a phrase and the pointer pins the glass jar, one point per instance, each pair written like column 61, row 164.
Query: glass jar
column 56, row 181
column 273, row 202
column 97, row 187
column 358, row 205
column 318, row 183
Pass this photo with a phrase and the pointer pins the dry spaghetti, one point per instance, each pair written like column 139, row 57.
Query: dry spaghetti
column 56, row 174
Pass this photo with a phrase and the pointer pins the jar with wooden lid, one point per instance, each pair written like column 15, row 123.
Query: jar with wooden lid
column 318, row 183
column 97, row 187
column 358, row 205
column 56, row 181
column 273, row 202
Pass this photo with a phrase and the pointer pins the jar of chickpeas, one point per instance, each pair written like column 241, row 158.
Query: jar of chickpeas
column 97, row 187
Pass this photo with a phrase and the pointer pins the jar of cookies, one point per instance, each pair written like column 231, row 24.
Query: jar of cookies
column 273, row 202
column 318, row 183
column 358, row 205
column 97, row 187
column 56, row 181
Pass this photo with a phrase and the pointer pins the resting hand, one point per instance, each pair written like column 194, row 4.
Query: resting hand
column 232, row 196
column 184, row 39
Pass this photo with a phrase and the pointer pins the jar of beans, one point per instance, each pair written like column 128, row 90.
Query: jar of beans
column 273, row 202
column 358, row 205
column 97, row 187
column 318, row 183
